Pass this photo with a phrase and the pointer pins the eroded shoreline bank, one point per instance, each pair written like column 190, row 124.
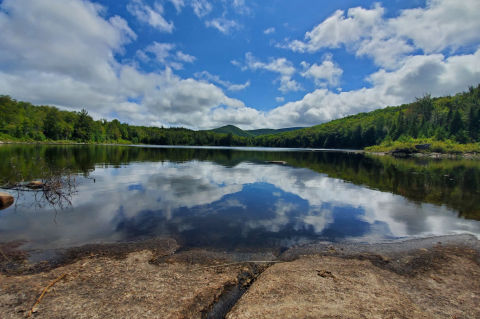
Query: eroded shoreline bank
column 434, row 277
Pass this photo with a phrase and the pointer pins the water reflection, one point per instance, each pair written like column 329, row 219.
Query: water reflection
column 234, row 200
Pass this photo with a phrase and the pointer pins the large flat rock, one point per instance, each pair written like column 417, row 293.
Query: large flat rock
column 335, row 287
column 106, row 287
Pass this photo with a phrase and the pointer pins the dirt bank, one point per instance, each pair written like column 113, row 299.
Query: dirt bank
column 428, row 278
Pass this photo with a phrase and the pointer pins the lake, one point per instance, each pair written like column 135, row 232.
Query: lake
column 233, row 199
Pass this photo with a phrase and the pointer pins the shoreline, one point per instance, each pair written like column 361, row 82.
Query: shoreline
column 472, row 155
column 432, row 277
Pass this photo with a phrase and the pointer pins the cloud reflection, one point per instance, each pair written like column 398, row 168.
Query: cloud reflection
column 207, row 203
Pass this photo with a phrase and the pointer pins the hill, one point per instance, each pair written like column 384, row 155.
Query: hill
column 450, row 123
column 251, row 133
column 448, row 119
column 232, row 129
column 266, row 131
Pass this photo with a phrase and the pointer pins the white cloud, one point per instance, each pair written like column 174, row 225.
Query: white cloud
column 338, row 29
column 288, row 85
column 178, row 4
column 163, row 55
column 327, row 73
column 160, row 50
column 280, row 99
column 68, row 61
column 185, row 57
column 269, row 31
column 201, row 7
column 281, row 65
column 223, row 25
column 151, row 16
column 419, row 74
column 239, row 87
column 240, row 7
column 442, row 24
column 206, row 76
column 71, row 61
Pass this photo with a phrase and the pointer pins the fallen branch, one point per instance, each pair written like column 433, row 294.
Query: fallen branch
column 239, row 262
column 43, row 293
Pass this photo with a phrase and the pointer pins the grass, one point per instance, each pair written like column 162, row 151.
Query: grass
column 444, row 147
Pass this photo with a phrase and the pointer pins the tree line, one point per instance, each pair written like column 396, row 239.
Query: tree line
column 449, row 118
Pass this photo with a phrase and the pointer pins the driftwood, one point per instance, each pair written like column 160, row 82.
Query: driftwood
column 43, row 293
column 56, row 188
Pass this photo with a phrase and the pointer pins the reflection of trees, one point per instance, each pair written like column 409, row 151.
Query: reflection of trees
column 454, row 183
column 50, row 186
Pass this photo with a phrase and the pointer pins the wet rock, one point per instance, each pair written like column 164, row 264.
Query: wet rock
column 6, row 200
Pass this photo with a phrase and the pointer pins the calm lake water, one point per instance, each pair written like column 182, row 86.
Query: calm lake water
column 234, row 200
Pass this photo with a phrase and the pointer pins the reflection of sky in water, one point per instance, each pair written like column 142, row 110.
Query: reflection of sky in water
column 245, row 207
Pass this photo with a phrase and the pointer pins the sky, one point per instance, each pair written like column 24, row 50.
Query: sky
column 202, row 64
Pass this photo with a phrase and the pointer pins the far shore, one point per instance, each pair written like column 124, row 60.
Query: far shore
column 436, row 277
column 468, row 155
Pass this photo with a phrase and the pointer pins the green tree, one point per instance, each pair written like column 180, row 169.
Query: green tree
column 83, row 127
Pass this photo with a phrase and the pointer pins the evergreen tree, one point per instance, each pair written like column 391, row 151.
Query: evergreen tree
column 83, row 128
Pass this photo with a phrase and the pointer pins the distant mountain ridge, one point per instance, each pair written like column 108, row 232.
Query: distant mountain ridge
column 251, row 133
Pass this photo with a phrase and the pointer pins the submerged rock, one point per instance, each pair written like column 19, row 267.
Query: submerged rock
column 6, row 200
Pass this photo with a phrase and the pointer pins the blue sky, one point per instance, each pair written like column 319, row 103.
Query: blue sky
column 207, row 63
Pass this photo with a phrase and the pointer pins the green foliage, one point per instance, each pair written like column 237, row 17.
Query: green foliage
column 454, row 120
column 232, row 129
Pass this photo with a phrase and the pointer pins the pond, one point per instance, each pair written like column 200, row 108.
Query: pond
column 233, row 199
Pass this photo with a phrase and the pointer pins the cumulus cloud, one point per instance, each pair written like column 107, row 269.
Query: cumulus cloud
column 419, row 74
column 327, row 73
column 49, row 66
column 223, row 25
column 269, row 31
column 280, row 99
column 206, row 76
column 388, row 40
column 151, row 16
column 280, row 65
column 185, row 57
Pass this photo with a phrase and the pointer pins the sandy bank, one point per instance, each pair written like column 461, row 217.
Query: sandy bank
column 426, row 278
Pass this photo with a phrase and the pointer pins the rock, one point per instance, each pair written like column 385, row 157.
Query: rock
column 422, row 146
column 6, row 200
column 35, row 185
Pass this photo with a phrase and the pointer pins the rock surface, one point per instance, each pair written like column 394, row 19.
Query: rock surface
column 113, row 288
column 334, row 287
column 435, row 277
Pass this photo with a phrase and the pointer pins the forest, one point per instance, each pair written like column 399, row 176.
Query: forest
column 446, row 121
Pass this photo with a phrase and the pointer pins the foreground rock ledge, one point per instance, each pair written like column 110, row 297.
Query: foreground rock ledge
column 431, row 278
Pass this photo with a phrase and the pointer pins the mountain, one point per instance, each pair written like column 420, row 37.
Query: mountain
column 251, row 133
column 265, row 131
column 232, row 129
